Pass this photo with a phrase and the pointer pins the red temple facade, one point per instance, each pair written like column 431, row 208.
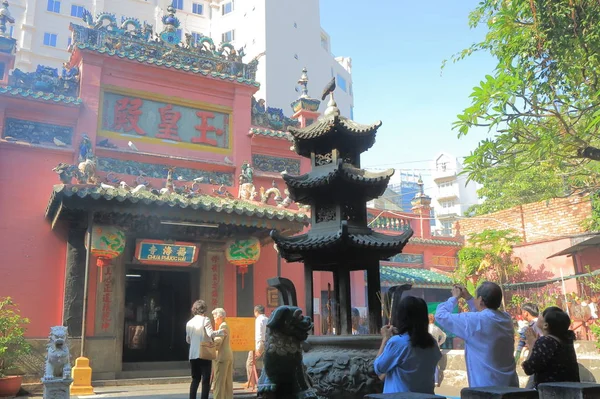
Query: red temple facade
column 145, row 176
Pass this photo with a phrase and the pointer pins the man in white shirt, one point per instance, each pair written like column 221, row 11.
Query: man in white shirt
column 488, row 334
column 260, row 335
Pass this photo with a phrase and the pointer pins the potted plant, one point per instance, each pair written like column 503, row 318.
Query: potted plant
column 12, row 346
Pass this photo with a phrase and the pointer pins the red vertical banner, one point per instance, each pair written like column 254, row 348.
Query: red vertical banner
column 215, row 260
column 106, row 301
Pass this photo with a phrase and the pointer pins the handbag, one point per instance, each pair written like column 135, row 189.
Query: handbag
column 208, row 349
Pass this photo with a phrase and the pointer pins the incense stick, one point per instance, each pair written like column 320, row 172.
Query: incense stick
column 386, row 305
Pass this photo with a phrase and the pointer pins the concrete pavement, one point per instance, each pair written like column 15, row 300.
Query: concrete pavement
column 180, row 391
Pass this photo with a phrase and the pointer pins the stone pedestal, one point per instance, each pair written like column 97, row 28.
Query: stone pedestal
column 571, row 390
column 498, row 393
column 406, row 395
column 341, row 367
column 57, row 389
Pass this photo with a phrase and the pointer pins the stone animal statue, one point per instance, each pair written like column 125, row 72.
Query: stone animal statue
column 58, row 360
column 284, row 375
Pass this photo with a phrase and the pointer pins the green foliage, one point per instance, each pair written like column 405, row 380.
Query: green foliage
column 12, row 336
column 595, row 328
column 503, row 188
column 542, row 102
column 487, row 256
column 516, row 301
column 593, row 222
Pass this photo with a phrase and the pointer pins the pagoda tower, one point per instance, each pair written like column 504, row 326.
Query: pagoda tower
column 337, row 189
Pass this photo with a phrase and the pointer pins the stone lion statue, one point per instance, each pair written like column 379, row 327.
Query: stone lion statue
column 284, row 375
column 58, row 360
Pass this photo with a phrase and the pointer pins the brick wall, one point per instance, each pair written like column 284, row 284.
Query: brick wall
column 538, row 221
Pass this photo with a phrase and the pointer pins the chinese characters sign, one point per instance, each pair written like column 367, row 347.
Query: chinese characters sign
column 448, row 261
column 241, row 333
column 152, row 252
column 215, row 277
column 136, row 117
column 106, row 303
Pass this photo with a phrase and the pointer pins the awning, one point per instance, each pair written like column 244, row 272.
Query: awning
column 587, row 242
column 542, row 283
column 419, row 278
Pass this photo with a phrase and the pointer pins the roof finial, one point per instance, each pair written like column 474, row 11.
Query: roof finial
column 4, row 18
column 332, row 108
column 421, row 185
column 303, row 81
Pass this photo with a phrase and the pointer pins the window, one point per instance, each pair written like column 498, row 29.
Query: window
column 447, row 204
column 324, row 42
column 228, row 36
column 196, row 37
column 227, row 8
column 53, row 6
column 341, row 83
column 198, row 8
column 50, row 39
column 77, row 11
column 178, row 4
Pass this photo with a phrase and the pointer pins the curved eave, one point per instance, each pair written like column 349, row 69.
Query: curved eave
column 40, row 96
column 304, row 187
column 200, row 208
column 167, row 64
column 322, row 247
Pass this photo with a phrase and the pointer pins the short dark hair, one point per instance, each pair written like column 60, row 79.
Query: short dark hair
column 531, row 308
column 558, row 323
column 491, row 294
column 260, row 309
column 199, row 307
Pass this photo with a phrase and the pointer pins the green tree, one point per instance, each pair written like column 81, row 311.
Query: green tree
column 541, row 103
column 488, row 256
column 503, row 189
column 12, row 336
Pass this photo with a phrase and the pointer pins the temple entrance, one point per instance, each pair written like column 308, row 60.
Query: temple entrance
column 157, row 308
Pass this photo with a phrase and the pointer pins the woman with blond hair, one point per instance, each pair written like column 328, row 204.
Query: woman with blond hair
column 223, row 379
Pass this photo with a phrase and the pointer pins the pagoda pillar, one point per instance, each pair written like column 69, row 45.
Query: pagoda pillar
column 373, row 292
column 309, row 292
column 74, row 280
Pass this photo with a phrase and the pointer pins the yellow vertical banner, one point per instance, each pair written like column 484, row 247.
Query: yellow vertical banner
column 241, row 333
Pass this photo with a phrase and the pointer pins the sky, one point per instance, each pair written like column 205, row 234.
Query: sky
column 397, row 49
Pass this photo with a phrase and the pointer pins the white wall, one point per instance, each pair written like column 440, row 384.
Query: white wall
column 289, row 32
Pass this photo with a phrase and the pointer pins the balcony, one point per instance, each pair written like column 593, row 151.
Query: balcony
column 446, row 195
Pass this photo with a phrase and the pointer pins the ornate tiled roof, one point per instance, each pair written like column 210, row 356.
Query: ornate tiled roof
column 344, row 174
column 276, row 134
column 350, row 243
column 225, row 206
column 137, row 42
column 333, row 131
column 39, row 95
column 434, row 241
column 419, row 278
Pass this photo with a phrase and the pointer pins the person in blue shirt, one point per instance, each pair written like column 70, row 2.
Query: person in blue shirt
column 408, row 359
column 488, row 334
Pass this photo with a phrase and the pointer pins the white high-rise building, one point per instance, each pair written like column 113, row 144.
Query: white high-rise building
column 289, row 34
column 451, row 194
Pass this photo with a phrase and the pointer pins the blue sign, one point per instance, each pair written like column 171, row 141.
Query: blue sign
column 153, row 252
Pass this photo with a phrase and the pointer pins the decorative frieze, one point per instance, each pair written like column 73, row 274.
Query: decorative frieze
column 160, row 171
column 37, row 133
column 268, row 163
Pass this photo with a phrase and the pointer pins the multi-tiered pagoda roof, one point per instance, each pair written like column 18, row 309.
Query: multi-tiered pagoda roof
column 337, row 190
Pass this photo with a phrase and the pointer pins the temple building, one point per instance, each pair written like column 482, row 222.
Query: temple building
column 145, row 175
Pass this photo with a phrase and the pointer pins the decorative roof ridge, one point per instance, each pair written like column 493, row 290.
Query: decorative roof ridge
column 206, row 201
column 168, row 64
column 357, row 173
column 40, row 95
column 271, row 133
column 436, row 241
column 330, row 121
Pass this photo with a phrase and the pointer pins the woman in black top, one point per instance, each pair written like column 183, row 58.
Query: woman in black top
column 552, row 357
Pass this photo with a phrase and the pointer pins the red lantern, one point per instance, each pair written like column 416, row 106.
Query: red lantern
column 243, row 253
column 108, row 242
